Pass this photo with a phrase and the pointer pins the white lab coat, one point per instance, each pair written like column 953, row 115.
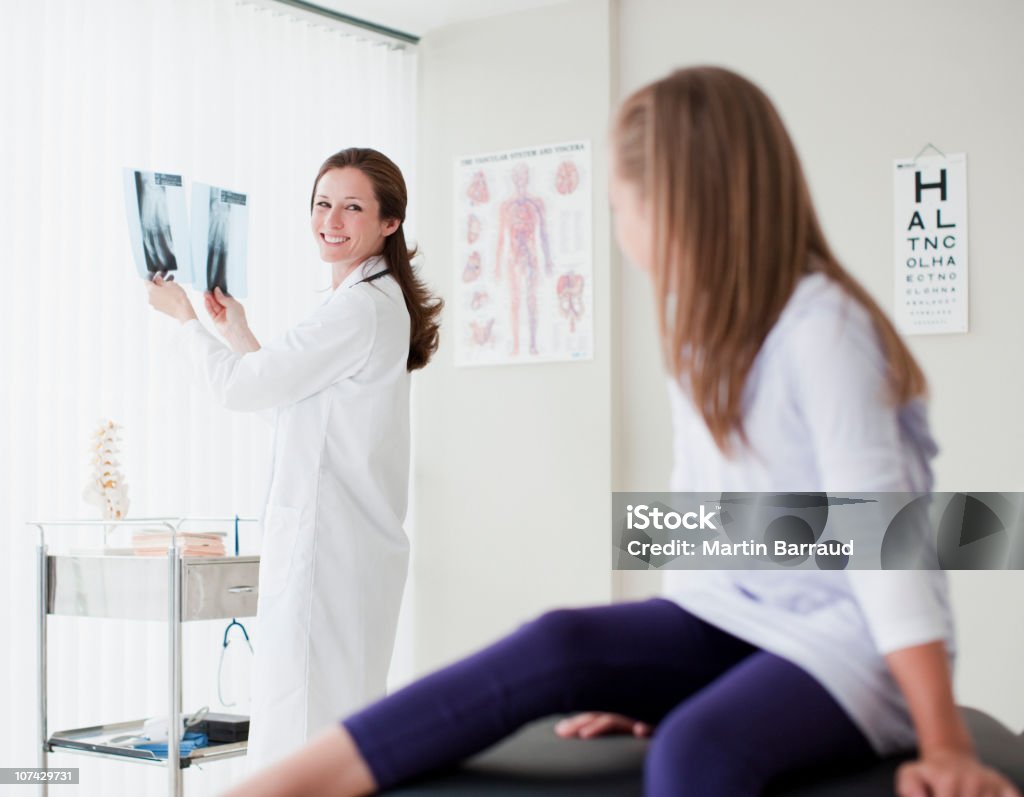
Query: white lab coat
column 334, row 556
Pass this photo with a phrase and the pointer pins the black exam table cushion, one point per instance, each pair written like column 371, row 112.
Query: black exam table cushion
column 536, row 762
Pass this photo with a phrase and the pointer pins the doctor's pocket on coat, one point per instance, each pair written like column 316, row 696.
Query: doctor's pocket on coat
column 280, row 529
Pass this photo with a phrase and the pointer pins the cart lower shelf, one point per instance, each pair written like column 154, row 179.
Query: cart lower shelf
column 97, row 741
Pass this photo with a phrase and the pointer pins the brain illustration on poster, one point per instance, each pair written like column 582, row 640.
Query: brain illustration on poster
column 523, row 256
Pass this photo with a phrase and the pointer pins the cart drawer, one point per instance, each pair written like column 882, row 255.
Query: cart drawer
column 135, row 587
column 213, row 590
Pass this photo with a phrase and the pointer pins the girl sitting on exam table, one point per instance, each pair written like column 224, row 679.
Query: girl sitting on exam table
column 785, row 376
column 334, row 555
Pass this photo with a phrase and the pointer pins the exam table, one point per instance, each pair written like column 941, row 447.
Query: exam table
column 536, row 763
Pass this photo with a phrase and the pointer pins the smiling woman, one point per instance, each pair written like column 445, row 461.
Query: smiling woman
column 231, row 103
column 334, row 556
column 346, row 220
column 358, row 207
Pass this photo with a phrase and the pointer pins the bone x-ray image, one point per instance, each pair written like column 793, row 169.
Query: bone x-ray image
column 219, row 232
column 157, row 223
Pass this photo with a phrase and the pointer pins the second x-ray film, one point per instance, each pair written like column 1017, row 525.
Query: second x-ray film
column 220, row 224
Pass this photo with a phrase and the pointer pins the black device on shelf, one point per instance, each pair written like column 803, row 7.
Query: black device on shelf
column 224, row 728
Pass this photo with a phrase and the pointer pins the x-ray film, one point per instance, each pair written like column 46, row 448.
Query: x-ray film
column 220, row 225
column 158, row 224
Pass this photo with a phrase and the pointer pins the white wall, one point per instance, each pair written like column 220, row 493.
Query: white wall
column 860, row 84
column 510, row 459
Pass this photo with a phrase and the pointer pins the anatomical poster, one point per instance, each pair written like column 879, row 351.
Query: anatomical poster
column 524, row 256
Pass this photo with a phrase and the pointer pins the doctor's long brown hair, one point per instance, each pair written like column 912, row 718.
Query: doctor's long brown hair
column 734, row 231
column 389, row 189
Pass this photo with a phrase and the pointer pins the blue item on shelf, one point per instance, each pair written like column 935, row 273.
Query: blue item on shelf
column 189, row 742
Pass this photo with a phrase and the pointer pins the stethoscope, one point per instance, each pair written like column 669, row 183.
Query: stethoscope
column 224, row 647
column 376, row 276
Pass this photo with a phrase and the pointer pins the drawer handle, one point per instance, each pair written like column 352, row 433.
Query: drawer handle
column 241, row 589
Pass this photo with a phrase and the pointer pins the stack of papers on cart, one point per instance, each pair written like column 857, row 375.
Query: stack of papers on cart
column 189, row 543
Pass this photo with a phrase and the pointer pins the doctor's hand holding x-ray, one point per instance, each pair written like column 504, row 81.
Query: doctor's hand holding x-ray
column 229, row 319
column 169, row 298
column 225, row 311
column 334, row 555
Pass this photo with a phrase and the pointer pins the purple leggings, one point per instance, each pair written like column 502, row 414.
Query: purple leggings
column 729, row 716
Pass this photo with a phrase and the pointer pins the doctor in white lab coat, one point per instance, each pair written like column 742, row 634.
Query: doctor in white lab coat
column 334, row 556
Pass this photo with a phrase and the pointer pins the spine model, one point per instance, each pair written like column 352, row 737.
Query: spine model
column 106, row 488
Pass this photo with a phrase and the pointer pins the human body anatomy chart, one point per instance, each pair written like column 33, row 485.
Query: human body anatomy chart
column 523, row 256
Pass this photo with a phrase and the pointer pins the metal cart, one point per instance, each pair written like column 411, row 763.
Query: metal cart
column 172, row 588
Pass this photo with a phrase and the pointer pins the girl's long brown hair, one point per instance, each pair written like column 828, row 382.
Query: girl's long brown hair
column 734, row 231
column 390, row 192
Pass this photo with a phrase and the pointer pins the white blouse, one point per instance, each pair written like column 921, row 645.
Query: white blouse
column 818, row 420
